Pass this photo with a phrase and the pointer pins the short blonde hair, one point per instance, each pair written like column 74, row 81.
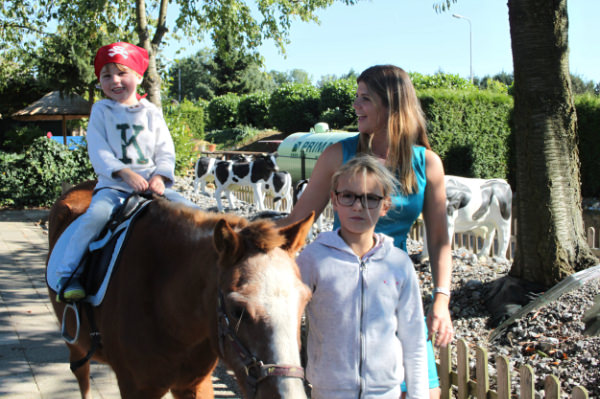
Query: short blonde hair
column 367, row 165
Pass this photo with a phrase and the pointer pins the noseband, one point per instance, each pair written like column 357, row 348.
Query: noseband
column 255, row 369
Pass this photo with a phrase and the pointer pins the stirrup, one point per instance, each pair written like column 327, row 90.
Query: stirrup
column 63, row 331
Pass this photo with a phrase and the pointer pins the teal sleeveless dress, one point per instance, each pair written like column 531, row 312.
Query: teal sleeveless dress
column 406, row 208
column 398, row 221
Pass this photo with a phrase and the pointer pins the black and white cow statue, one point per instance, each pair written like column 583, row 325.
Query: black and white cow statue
column 480, row 206
column 317, row 226
column 229, row 174
column 203, row 172
column 205, row 166
column 279, row 185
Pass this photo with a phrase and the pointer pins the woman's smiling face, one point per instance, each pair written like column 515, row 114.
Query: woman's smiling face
column 372, row 114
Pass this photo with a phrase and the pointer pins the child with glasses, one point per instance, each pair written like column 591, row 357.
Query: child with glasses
column 366, row 325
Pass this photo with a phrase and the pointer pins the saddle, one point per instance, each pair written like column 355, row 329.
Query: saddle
column 101, row 253
column 97, row 267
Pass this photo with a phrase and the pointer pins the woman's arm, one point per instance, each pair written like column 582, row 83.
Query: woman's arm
column 316, row 194
column 434, row 214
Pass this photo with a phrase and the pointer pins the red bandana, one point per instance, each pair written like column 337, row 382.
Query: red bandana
column 123, row 53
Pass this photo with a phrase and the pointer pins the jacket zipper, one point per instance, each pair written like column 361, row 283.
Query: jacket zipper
column 363, row 269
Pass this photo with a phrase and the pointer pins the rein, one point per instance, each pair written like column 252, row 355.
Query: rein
column 255, row 369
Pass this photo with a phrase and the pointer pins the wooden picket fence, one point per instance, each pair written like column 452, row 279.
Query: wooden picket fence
column 460, row 383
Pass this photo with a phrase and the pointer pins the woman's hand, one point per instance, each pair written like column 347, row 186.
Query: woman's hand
column 439, row 322
column 135, row 181
column 440, row 259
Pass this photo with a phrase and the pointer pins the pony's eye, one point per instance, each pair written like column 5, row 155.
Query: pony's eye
column 237, row 312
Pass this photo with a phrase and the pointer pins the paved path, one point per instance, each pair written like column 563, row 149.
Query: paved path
column 33, row 356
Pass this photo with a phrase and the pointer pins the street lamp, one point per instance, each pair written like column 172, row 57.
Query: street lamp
column 470, row 43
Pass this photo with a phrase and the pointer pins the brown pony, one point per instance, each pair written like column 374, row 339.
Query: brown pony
column 191, row 287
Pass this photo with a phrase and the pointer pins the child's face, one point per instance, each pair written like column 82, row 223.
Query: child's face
column 119, row 85
column 356, row 218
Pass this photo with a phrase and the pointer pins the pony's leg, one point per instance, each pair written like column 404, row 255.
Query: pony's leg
column 203, row 390
column 82, row 373
column 129, row 390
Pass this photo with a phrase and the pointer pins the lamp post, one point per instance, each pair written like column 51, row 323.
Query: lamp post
column 179, row 81
column 470, row 43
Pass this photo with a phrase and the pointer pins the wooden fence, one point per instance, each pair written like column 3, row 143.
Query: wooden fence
column 460, row 384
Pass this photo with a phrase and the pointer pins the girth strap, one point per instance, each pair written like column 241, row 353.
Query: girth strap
column 95, row 338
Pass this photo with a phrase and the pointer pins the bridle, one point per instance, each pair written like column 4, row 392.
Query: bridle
column 255, row 369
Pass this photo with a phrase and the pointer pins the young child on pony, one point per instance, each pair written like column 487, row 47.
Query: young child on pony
column 366, row 327
column 130, row 148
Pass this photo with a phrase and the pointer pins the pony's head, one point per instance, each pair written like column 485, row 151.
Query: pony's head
column 261, row 301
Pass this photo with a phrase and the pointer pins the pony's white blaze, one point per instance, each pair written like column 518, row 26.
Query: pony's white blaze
column 279, row 294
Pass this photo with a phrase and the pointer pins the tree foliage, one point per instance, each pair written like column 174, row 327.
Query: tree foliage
column 27, row 24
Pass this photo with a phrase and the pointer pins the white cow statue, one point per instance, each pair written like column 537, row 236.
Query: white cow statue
column 480, row 206
column 203, row 172
column 230, row 174
column 279, row 185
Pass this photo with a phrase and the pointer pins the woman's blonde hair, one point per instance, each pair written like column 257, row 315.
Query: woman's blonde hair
column 367, row 165
column 406, row 120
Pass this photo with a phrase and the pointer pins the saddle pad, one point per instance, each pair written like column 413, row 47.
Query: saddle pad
column 121, row 230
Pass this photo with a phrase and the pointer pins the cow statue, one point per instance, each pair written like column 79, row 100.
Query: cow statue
column 480, row 206
column 279, row 185
column 229, row 174
column 319, row 223
column 205, row 166
column 203, row 172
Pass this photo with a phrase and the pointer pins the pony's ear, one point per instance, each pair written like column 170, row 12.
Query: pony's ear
column 295, row 234
column 226, row 241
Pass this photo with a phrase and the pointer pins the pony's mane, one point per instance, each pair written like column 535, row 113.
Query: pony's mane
column 263, row 235
column 186, row 217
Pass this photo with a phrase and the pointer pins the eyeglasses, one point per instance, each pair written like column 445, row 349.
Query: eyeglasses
column 347, row 198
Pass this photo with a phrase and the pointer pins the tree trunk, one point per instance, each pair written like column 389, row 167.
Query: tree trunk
column 151, row 83
column 551, row 242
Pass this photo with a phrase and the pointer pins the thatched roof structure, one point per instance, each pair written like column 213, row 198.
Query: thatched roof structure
column 55, row 106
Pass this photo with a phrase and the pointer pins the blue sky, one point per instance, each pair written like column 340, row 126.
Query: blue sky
column 410, row 34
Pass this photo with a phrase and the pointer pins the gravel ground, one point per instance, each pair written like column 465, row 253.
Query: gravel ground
column 549, row 339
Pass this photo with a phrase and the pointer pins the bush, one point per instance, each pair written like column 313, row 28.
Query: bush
column 223, row 111
column 294, row 107
column 440, row 81
column 183, row 137
column 19, row 138
column 193, row 116
column 470, row 131
column 337, row 98
column 253, row 110
column 34, row 177
column 232, row 137
column 588, row 126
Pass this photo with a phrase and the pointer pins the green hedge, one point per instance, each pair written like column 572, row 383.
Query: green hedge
column 34, row 177
column 294, row 107
column 337, row 97
column 253, row 110
column 193, row 116
column 588, row 122
column 223, row 111
column 470, row 131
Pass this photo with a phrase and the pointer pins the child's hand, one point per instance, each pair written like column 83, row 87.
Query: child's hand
column 157, row 184
column 135, row 181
